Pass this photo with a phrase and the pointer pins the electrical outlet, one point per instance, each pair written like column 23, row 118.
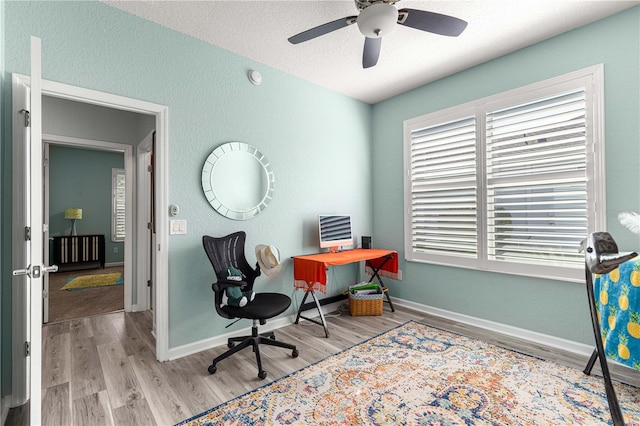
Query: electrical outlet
column 115, row 249
column 399, row 274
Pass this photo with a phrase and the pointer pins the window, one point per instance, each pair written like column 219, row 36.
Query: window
column 117, row 205
column 510, row 183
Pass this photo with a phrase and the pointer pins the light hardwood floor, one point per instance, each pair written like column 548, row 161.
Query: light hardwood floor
column 102, row 370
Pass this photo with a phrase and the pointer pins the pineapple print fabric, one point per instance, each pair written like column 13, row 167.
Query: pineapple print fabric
column 617, row 297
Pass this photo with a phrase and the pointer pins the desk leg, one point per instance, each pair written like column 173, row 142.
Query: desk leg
column 386, row 292
column 323, row 322
column 384, row 289
column 306, row 293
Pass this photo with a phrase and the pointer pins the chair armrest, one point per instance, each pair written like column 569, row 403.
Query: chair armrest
column 222, row 284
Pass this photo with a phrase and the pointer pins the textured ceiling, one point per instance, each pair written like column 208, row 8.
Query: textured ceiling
column 409, row 58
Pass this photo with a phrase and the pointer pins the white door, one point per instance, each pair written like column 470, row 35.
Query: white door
column 32, row 244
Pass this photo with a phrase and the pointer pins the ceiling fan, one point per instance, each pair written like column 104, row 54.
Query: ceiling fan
column 378, row 18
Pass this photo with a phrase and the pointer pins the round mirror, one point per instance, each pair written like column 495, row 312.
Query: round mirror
column 237, row 180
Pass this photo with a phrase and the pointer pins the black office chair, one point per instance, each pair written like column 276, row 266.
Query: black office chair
column 223, row 253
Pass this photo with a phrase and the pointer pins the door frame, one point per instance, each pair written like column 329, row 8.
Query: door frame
column 19, row 301
column 143, row 231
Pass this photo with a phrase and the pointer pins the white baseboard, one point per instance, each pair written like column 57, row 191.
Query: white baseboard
column 138, row 308
column 581, row 351
column 531, row 336
column 212, row 342
column 496, row 327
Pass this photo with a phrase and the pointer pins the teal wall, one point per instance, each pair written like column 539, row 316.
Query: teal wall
column 323, row 147
column 546, row 306
column 82, row 178
column 318, row 141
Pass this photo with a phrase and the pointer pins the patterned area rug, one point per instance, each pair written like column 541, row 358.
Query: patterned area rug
column 418, row 375
column 92, row 281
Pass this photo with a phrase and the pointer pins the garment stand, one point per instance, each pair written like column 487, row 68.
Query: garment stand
column 612, row 399
column 375, row 270
column 323, row 322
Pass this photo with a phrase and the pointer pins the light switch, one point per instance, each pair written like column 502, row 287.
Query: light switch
column 177, row 227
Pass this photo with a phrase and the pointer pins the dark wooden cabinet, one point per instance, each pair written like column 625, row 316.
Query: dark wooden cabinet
column 78, row 251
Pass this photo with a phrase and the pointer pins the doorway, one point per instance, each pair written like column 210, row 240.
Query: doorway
column 92, row 170
column 80, row 180
column 21, row 296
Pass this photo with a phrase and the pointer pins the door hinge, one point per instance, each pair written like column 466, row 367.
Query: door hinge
column 27, row 116
column 45, row 294
column 149, row 283
column 150, row 168
column 148, row 225
column 27, row 233
column 27, row 348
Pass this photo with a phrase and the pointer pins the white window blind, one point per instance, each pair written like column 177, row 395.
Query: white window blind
column 443, row 188
column 118, row 193
column 510, row 183
column 537, row 181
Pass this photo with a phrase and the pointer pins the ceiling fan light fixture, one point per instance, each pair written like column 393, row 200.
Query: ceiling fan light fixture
column 377, row 20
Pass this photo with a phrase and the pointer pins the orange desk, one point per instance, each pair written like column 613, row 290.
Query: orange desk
column 310, row 273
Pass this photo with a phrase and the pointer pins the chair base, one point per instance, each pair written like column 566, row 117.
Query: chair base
column 255, row 340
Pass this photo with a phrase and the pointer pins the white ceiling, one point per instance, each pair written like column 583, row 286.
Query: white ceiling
column 409, row 58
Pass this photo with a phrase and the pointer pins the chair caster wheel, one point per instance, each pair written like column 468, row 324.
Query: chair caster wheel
column 272, row 337
column 230, row 345
column 212, row 369
column 262, row 374
column 295, row 353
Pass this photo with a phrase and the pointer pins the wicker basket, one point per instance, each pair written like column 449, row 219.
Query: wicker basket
column 365, row 304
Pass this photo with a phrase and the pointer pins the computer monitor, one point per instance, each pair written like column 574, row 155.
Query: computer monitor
column 335, row 231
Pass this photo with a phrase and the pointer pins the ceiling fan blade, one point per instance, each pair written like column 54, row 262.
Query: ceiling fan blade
column 431, row 22
column 371, row 51
column 322, row 29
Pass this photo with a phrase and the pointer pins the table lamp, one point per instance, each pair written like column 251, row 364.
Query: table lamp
column 73, row 214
